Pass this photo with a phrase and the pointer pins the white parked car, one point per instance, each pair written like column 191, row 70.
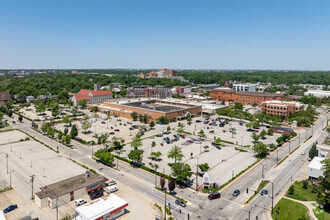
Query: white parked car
column 79, row 202
column 302, row 152
column 110, row 183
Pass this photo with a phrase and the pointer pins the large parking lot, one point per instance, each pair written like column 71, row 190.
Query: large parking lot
column 223, row 162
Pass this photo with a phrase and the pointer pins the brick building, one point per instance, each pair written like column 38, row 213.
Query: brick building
column 281, row 108
column 92, row 96
column 230, row 95
column 148, row 92
column 4, row 97
column 164, row 73
column 152, row 108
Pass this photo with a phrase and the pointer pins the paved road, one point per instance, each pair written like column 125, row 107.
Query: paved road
column 229, row 207
column 200, row 207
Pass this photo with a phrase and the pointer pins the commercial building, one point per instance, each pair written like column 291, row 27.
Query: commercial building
column 164, row 73
column 157, row 92
column 247, row 98
column 111, row 207
column 4, row 97
column 281, row 108
column 153, row 109
column 68, row 190
column 180, row 90
column 314, row 168
column 318, row 93
column 244, row 87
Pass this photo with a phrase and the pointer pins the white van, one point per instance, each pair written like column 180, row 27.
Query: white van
column 112, row 189
column 79, row 202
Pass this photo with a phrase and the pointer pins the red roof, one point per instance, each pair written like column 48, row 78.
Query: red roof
column 81, row 97
column 83, row 92
column 98, row 93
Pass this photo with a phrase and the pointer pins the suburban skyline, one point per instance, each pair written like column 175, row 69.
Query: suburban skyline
column 281, row 35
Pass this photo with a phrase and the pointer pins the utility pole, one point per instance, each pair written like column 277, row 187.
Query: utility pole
column 277, row 155
column 165, row 204
column 10, row 178
column 249, row 214
column 197, row 175
column 56, row 206
column 272, row 197
column 32, row 180
column 289, row 147
column 7, row 162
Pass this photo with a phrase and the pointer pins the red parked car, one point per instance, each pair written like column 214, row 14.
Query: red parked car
column 117, row 130
column 161, row 144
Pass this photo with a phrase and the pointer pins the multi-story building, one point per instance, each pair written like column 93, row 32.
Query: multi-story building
column 317, row 93
column 164, row 73
column 148, row 92
column 246, row 98
column 182, row 90
column 281, row 108
column 4, row 97
column 92, row 96
column 245, row 87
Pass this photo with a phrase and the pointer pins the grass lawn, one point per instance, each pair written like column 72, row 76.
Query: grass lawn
column 321, row 214
column 290, row 210
column 301, row 193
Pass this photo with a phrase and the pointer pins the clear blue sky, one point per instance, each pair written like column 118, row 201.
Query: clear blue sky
column 210, row 34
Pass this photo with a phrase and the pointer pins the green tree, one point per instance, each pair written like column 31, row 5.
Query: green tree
column 155, row 155
column 136, row 156
column 254, row 105
column 20, row 118
column 263, row 134
column 305, row 184
column 171, row 185
column 134, row 116
column 168, row 128
column 40, row 108
column 152, row 124
column 176, row 154
column 324, row 186
column 55, row 109
column 180, row 131
column 256, row 124
column 66, row 130
column 204, row 167
column 153, row 144
column 255, row 137
column 223, row 102
column 201, row 134
column 260, row 149
column 74, row 131
column 85, row 125
column 68, row 139
column 136, row 142
column 313, row 152
column 189, row 120
column 162, row 181
column 291, row 190
column 238, row 106
column 270, row 131
column 82, row 103
column 104, row 156
column 272, row 146
column 59, row 136
column 163, row 120
column 181, row 172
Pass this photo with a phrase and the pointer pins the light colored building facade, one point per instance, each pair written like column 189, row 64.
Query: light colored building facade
column 245, row 87
column 157, row 92
column 317, row 93
column 92, row 96
column 281, row 108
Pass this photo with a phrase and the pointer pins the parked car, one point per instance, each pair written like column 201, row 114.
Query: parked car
column 159, row 135
column 103, row 122
column 302, row 152
column 161, row 144
column 112, row 189
column 131, row 128
column 79, row 202
column 166, row 132
column 96, row 194
column 135, row 126
column 112, row 133
column 249, row 129
column 117, row 130
column 214, row 195
column 236, row 192
column 255, row 130
column 110, row 183
column 218, row 147
column 10, row 208
column 180, row 202
column 198, row 121
column 264, row 192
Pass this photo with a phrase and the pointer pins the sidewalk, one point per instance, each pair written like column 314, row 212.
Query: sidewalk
column 308, row 204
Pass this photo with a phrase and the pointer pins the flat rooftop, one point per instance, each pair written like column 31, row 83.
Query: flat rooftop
column 100, row 207
column 68, row 185
column 155, row 106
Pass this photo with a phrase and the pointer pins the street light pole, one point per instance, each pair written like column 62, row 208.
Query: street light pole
column 277, row 154
column 197, row 175
column 10, row 178
column 272, row 197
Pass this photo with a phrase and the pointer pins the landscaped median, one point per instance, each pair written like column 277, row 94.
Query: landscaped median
column 262, row 185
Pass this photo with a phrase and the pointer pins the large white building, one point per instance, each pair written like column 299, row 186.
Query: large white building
column 245, row 87
column 318, row 93
column 111, row 207
column 314, row 168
